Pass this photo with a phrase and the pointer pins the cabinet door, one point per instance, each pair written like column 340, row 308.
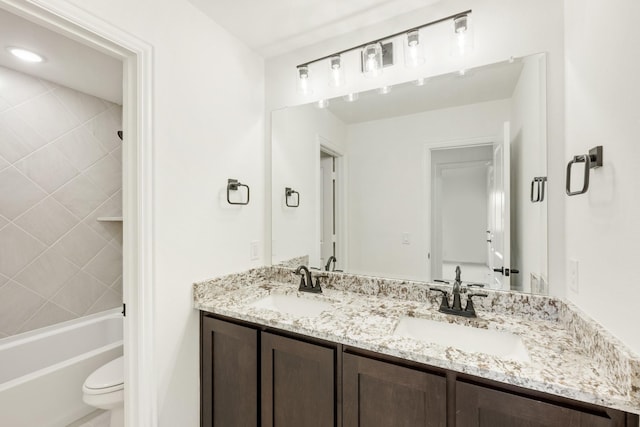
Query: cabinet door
column 380, row 394
column 298, row 383
column 229, row 377
column 486, row 407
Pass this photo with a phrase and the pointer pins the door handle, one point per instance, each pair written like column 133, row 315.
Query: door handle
column 505, row 271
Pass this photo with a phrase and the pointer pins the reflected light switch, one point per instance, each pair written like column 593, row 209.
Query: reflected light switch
column 405, row 239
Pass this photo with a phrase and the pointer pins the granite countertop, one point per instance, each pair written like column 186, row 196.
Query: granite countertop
column 569, row 354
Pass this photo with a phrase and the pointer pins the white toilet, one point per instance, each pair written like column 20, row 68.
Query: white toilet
column 104, row 389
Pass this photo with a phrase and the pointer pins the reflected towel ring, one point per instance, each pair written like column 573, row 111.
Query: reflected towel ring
column 288, row 192
column 539, row 197
column 234, row 185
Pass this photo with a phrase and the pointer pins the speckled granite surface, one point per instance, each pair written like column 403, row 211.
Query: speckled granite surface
column 570, row 355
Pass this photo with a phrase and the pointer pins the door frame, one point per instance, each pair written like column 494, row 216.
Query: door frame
column 137, row 185
column 324, row 144
column 428, row 183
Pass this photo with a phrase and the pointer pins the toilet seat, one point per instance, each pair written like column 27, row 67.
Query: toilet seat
column 106, row 379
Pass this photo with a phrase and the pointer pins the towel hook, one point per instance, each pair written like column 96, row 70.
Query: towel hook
column 591, row 161
column 234, row 185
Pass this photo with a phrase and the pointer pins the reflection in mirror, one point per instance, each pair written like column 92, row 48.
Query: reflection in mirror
column 411, row 182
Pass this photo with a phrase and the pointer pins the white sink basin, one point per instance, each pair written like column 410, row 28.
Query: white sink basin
column 293, row 304
column 465, row 338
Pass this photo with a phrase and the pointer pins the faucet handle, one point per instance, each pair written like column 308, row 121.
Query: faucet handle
column 445, row 297
column 478, row 285
column 469, row 308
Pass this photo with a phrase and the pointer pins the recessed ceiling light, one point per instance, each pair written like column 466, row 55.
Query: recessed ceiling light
column 25, row 55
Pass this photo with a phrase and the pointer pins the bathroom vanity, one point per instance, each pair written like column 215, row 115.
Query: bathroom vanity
column 264, row 362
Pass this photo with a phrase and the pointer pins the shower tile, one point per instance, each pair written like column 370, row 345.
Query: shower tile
column 81, row 148
column 83, row 106
column 50, row 314
column 80, row 196
column 106, row 174
column 3, row 280
column 11, row 148
column 107, row 265
column 4, row 105
column 3, row 163
column 17, row 250
column 104, row 127
column 116, row 286
column 107, row 229
column 47, row 274
column 48, row 168
column 80, row 245
column 37, row 114
column 29, row 140
column 17, row 305
column 80, row 293
column 47, row 221
column 3, row 222
column 18, row 87
column 17, row 193
column 109, row 300
column 117, row 154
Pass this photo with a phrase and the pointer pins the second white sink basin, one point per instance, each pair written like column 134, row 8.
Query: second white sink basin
column 292, row 304
column 465, row 338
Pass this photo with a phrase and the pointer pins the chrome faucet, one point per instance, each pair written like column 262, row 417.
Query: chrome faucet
column 328, row 264
column 307, row 285
column 456, row 307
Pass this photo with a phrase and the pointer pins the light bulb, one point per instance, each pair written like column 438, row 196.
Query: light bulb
column 303, row 80
column 413, row 49
column 372, row 60
column 336, row 71
column 25, row 55
column 462, row 42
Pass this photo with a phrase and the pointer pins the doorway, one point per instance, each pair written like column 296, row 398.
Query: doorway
column 136, row 56
column 330, row 208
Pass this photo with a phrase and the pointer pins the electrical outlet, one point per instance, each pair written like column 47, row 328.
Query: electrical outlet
column 254, row 250
column 573, row 276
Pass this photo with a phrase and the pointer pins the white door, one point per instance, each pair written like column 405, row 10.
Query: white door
column 500, row 215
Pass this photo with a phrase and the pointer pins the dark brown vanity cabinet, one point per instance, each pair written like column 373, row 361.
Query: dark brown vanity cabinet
column 298, row 383
column 481, row 406
column 380, row 394
column 228, row 374
column 251, row 377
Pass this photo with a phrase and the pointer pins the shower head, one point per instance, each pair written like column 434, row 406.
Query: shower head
column 120, row 135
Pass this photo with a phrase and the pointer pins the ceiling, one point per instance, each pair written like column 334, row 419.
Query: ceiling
column 274, row 27
column 68, row 62
column 488, row 83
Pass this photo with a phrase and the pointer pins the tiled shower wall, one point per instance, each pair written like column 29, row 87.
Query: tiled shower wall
column 60, row 169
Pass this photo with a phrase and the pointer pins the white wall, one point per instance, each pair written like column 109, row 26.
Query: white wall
column 503, row 28
column 296, row 164
column 528, row 154
column 208, row 126
column 603, row 230
column 386, row 169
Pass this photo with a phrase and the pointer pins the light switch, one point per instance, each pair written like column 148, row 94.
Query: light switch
column 254, row 249
column 405, row 239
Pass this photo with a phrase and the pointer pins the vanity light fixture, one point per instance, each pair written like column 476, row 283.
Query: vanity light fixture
column 413, row 49
column 303, row 80
column 462, row 34
column 25, row 55
column 336, row 70
column 379, row 53
column 372, row 60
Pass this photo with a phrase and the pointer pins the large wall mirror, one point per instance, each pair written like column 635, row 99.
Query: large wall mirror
column 410, row 181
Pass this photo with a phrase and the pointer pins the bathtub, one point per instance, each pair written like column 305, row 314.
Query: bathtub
column 42, row 372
